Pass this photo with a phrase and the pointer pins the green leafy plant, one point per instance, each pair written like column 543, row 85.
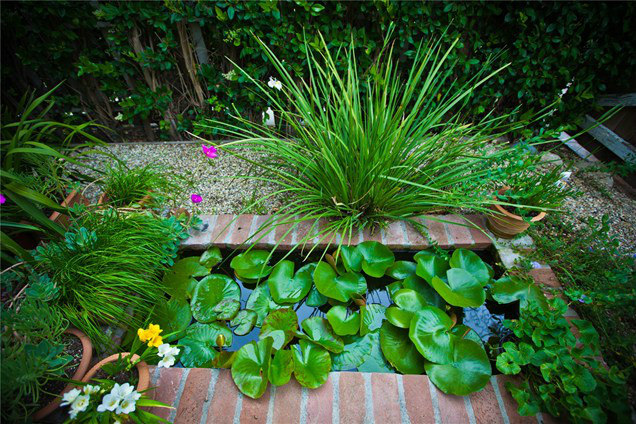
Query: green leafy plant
column 559, row 375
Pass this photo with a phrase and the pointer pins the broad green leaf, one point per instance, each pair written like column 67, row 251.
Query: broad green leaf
column 430, row 265
column 471, row 262
column 467, row 372
column 244, row 322
column 429, row 332
column 399, row 350
column 399, row 317
column 371, row 317
column 286, row 287
column 375, row 362
column 401, row 270
column 343, row 322
column 320, row 332
column 261, row 302
column 173, row 316
column 250, row 369
column 281, row 368
column 408, row 302
column 315, row 299
column 227, row 309
column 425, row 290
column 342, row 287
column 393, row 288
column 351, row 258
column 251, row 265
column 209, row 292
column 356, row 350
column 511, row 288
column 462, row 289
column 312, row 364
column 376, row 258
column 224, row 359
column 464, row 332
column 211, row 257
column 199, row 344
column 281, row 319
column 179, row 280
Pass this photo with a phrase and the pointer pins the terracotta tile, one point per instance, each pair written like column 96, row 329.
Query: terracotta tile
column 480, row 237
column 284, row 236
column 223, row 226
column 436, row 232
column 201, row 240
column 416, row 240
column 452, row 408
column 263, row 237
column 545, row 276
column 395, row 237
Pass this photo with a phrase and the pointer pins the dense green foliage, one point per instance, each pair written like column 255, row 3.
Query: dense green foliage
column 146, row 186
column 168, row 62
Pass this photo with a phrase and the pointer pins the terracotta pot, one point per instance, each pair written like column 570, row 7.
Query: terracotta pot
column 87, row 355
column 507, row 225
column 72, row 199
column 142, row 369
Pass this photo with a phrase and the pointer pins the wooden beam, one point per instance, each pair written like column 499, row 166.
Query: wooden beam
column 618, row 100
column 574, row 145
column 610, row 139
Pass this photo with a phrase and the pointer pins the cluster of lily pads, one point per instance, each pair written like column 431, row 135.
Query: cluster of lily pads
column 420, row 332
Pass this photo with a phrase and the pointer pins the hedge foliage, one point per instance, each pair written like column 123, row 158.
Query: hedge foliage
column 169, row 62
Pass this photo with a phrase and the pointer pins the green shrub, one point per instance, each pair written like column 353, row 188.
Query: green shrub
column 124, row 186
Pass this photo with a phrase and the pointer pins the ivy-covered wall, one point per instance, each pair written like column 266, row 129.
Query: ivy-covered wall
column 169, row 62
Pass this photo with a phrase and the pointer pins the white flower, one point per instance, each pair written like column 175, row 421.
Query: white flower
column 167, row 350
column 109, row 403
column 121, row 391
column 166, row 362
column 116, row 422
column 274, row 83
column 80, row 404
column 90, row 389
column 127, row 405
column 73, row 413
column 70, row 396
column 119, row 117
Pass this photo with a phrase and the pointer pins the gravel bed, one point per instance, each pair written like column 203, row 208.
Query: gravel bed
column 213, row 179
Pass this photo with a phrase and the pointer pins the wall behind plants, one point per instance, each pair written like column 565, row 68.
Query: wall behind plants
column 167, row 63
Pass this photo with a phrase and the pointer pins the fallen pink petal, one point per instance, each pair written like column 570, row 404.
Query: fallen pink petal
column 196, row 198
column 2, row 199
column 209, row 151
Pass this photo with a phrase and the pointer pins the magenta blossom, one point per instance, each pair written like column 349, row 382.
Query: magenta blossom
column 2, row 199
column 209, row 151
column 196, row 198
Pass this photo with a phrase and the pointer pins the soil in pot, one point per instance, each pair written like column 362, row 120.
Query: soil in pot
column 121, row 377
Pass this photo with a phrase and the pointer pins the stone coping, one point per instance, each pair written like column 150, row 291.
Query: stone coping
column 232, row 231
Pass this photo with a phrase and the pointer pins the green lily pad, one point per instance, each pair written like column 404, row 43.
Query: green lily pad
column 375, row 362
column 179, row 280
column 244, row 322
column 351, row 258
column 315, row 299
column 399, row 350
column 371, row 317
column 356, row 350
column 393, row 288
column 281, row 319
column 399, row 317
column 376, row 258
column 261, row 302
column 250, row 369
column 510, row 289
column 425, row 290
column 430, row 265
column 251, row 265
column 173, row 316
column 199, row 344
column 408, row 302
column 279, row 337
column 401, row 270
column 227, row 309
column 224, row 359
column 342, row 287
column 209, row 292
column 312, row 364
column 462, row 289
column 286, row 287
column 429, row 332
column 464, row 332
column 343, row 322
column 281, row 368
column 320, row 332
column 471, row 262
column 211, row 257
column 467, row 372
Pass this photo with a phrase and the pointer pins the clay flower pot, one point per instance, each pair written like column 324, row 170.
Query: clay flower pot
column 87, row 355
column 507, row 225
column 71, row 200
column 142, row 369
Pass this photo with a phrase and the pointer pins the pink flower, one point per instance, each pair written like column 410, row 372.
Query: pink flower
column 209, row 151
column 196, row 198
column 2, row 199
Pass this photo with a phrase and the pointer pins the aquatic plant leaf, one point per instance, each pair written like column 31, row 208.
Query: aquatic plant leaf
column 179, row 280
column 375, row 362
column 509, row 289
column 399, row 317
column 211, row 257
column 320, row 332
column 286, row 287
column 284, row 319
column 376, row 258
column 227, row 309
column 371, row 317
column 251, row 265
column 462, row 289
column 315, row 299
column 224, row 359
column 279, row 337
column 401, row 270
column 261, row 302
column 399, row 350
column 339, row 287
column 430, row 265
column 312, row 364
column 471, row 262
column 425, row 290
column 173, row 316
column 465, row 332
column 343, row 322
column 468, row 370
column 244, row 322
column 351, row 258
column 199, row 344
column 429, row 332
column 407, row 302
column 281, row 368
column 250, row 369
column 209, row 292
column 356, row 350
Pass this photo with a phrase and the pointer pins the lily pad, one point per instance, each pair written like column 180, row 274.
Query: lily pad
column 251, row 265
column 399, row 350
column 510, row 288
column 399, row 317
column 179, row 280
column 211, row 257
column 343, row 322
column 471, row 262
column 376, row 258
column 425, row 290
column 356, row 350
column 393, row 288
column 209, row 292
column 286, row 287
column 281, row 319
column 430, row 265
column 173, row 316
column 320, row 332
column 244, row 322
column 227, row 309
column 224, row 359
column 199, row 344
column 375, row 362
column 462, row 289
column 315, row 299
column 250, row 369
column 312, row 364
column 261, row 302
column 342, row 287
column 351, row 258
column 371, row 317
column 408, row 302
column 281, row 368
column 429, row 332
column 401, row 270
column 279, row 337
column 467, row 372
column 464, row 332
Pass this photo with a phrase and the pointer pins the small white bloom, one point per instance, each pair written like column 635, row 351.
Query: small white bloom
column 80, row 403
column 274, row 83
column 166, row 362
column 121, row 391
column 109, row 403
column 127, row 405
column 72, row 413
column 70, row 396
column 116, row 422
column 119, row 117
column 166, row 349
column 90, row 389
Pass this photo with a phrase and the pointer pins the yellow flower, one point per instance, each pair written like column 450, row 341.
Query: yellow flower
column 156, row 341
column 150, row 334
